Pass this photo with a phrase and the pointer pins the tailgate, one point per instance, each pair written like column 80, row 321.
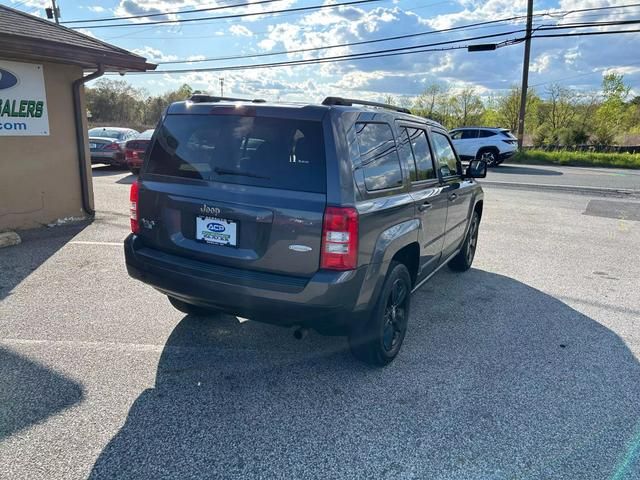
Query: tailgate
column 238, row 191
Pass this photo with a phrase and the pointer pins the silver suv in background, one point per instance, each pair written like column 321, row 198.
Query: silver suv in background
column 491, row 144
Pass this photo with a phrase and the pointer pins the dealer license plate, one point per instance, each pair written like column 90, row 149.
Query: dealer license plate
column 218, row 231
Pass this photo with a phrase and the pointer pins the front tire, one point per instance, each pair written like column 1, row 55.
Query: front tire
column 188, row 308
column 490, row 156
column 463, row 260
column 378, row 339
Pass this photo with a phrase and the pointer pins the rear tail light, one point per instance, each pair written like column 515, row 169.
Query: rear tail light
column 133, row 209
column 112, row 146
column 128, row 154
column 339, row 239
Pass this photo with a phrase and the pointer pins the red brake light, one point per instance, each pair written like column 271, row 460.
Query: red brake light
column 129, row 154
column 133, row 209
column 112, row 146
column 339, row 239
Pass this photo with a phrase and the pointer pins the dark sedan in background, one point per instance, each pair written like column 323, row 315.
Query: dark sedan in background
column 107, row 144
column 134, row 151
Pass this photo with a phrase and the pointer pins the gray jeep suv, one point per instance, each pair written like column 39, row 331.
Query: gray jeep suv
column 315, row 216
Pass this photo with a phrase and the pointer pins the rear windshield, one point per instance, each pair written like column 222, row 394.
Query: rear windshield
column 101, row 132
column 508, row 134
column 259, row 151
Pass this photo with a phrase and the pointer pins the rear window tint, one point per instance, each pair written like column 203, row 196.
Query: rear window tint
column 247, row 150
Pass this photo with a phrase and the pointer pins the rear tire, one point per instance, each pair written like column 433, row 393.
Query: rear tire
column 463, row 260
column 377, row 340
column 188, row 308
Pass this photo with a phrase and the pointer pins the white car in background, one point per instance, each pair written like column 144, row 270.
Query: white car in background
column 493, row 145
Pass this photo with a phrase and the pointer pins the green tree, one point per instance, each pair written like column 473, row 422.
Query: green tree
column 612, row 115
column 508, row 110
column 467, row 108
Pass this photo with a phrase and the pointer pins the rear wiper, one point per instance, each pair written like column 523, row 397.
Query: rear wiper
column 224, row 171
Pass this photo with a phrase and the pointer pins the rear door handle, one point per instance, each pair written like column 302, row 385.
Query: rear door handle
column 453, row 196
column 425, row 206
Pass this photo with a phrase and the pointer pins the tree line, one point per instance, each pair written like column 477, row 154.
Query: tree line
column 556, row 115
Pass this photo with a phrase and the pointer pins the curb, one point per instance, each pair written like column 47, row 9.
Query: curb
column 8, row 239
column 584, row 190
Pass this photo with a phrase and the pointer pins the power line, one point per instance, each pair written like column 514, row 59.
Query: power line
column 175, row 12
column 370, row 54
column 381, row 53
column 347, row 44
column 210, row 22
column 316, row 7
column 386, row 39
column 237, row 15
column 582, row 34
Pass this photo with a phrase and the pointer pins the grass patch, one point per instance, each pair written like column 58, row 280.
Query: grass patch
column 577, row 159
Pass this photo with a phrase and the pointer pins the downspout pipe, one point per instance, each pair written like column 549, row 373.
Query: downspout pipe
column 80, row 143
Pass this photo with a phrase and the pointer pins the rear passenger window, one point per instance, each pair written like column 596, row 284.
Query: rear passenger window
column 486, row 133
column 378, row 156
column 447, row 162
column 469, row 134
column 421, row 153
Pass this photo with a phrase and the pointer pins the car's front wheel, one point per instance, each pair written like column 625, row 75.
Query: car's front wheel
column 377, row 340
column 490, row 156
column 189, row 308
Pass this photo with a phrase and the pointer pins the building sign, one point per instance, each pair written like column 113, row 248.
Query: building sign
column 23, row 103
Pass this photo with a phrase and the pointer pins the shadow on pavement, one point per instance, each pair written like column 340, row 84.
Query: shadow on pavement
column 17, row 263
column 520, row 170
column 107, row 170
column 501, row 381
column 128, row 180
column 30, row 393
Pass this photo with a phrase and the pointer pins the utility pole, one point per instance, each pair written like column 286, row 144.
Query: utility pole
column 56, row 11
column 222, row 86
column 525, row 74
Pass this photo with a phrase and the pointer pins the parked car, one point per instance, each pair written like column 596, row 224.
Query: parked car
column 317, row 216
column 134, row 150
column 107, row 144
column 493, row 145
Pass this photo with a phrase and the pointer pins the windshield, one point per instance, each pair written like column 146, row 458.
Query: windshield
column 105, row 133
column 260, row 151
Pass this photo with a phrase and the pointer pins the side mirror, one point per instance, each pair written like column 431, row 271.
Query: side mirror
column 476, row 169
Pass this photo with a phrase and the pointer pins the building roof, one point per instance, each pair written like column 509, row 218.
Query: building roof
column 27, row 37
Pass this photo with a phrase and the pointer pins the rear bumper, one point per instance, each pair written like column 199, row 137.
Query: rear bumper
column 325, row 300
column 110, row 158
column 506, row 155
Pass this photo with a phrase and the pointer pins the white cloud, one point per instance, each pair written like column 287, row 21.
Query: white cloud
column 153, row 54
column 240, row 31
column 542, row 63
column 87, row 32
column 97, row 8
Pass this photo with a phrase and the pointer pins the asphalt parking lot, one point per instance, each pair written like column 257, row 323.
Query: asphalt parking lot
column 525, row 367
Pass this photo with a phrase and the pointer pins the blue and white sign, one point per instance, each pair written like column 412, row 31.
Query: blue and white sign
column 23, row 101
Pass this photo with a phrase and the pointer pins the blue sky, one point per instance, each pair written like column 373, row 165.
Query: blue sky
column 578, row 62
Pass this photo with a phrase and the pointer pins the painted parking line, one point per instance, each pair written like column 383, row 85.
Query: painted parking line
column 110, row 244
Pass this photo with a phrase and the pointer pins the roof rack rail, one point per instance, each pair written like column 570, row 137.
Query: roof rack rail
column 203, row 97
column 352, row 101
